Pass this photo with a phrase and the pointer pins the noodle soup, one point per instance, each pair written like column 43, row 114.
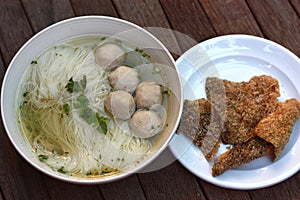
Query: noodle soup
column 92, row 106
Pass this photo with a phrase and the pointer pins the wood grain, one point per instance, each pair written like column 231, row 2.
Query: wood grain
column 190, row 20
column 296, row 5
column 230, row 17
column 279, row 22
column 92, row 7
column 128, row 188
column 46, row 12
column 14, row 168
column 14, row 28
column 215, row 192
column 171, row 182
column 290, row 189
column 61, row 190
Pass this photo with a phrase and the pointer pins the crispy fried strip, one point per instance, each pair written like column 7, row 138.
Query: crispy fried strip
column 201, row 123
column 242, row 105
column 278, row 126
column 189, row 121
column 241, row 154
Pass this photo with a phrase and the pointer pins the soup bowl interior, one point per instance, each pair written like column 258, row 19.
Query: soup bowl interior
column 76, row 28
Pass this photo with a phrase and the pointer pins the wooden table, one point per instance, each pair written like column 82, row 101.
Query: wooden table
column 277, row 20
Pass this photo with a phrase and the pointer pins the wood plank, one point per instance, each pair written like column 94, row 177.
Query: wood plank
column 149, row 15
column 92, row 7
column 19, row 181
column 282, row 27
column 145, row 13
column 296, row 5
column 216, row 192
column 12, row 37
column 171, row 182
column 8, row 184
column 62, row 190
column 2, row 69
column 43, row 13
column 231, row 17
column 128, row 188
column 289, row 189
column 189, row 19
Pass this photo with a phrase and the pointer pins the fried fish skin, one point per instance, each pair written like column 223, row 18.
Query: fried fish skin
column 209, row 134
column 241, row 154
column 277, row 127
column 201, row 123
column 189, row 122
column 242, row 104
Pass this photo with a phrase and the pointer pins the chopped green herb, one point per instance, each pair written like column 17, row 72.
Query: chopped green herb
column 102, row 121
column 62, row 170
column 43, row 158
column 139, row 50
column 74, row 86
column 82, row 102
column 89, row 173
column 88, row 115
column 167, row 92
column 66, row 108
column 102, row 38
column 25, row 94
column 33, row 62
column 70, row 85
column 82, row 83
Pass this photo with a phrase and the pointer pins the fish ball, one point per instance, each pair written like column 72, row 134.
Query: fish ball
column 145, row 123
column 120, row 104
column 109, row 55
column 147, row 94
column 124, row 78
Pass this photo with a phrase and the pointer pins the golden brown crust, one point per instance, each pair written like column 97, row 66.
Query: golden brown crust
column 277, row 127
column 241, row 154
column 242, row 105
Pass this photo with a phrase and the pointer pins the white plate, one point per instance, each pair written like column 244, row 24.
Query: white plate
column 238, row 58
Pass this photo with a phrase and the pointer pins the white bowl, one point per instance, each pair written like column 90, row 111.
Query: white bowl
column 75, row 28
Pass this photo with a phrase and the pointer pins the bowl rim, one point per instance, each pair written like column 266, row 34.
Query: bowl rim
column 90, row 181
